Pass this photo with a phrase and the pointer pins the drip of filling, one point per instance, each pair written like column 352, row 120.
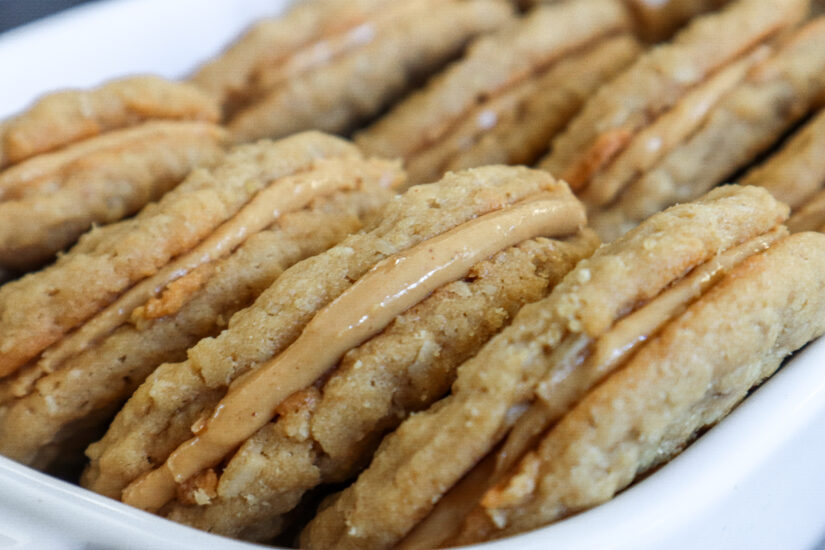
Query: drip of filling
column 389, row 288
column 284, row 195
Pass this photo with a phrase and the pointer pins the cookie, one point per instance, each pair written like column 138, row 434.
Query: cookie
column 62, row 118
column 677, row 385
column 508, row 96
column 796, row 172
column 776, row 93
column 382, row 321
column 632, row 123
column 545, row 361
column 656, row 21
column 290, row 200
column 659, row 20
column 332, row 64
column 811, row 216
column 79, row 158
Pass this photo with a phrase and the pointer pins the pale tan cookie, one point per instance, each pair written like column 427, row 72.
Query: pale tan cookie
column 536, row 72
column 287, row 213
column 62, row 118
column 686, row 379
column 776, row 92
column 811, row 216
column 655, row 20
column 332, row 64
column 657, row 81
column 81, row 158
column 48, row 201
column 553, row 351
column 796, row 172
column 381, row 303
column 39, row 309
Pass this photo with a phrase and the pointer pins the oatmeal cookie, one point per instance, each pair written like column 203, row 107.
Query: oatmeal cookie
column 684, row 380
column 776, row 92
column 331, row 64
column 509, row 95
column 378, row 325
column 290, row 200
column 82, row 158
column 609, row 125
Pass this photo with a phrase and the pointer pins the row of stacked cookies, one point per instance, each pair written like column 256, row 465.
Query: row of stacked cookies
column 289, row 310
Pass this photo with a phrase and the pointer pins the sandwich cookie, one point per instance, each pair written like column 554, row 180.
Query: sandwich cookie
column 332, row 64
column 681, row 382
column 82, row 158
column 776, row 93
column 81, row 335
column 632, row 124
column 510, row 94
column 301, row 388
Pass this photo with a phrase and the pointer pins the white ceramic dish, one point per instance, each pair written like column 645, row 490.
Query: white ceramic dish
column 755, row 481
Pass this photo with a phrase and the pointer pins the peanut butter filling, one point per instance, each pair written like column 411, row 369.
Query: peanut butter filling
column 389, row 288
column 289, row 193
